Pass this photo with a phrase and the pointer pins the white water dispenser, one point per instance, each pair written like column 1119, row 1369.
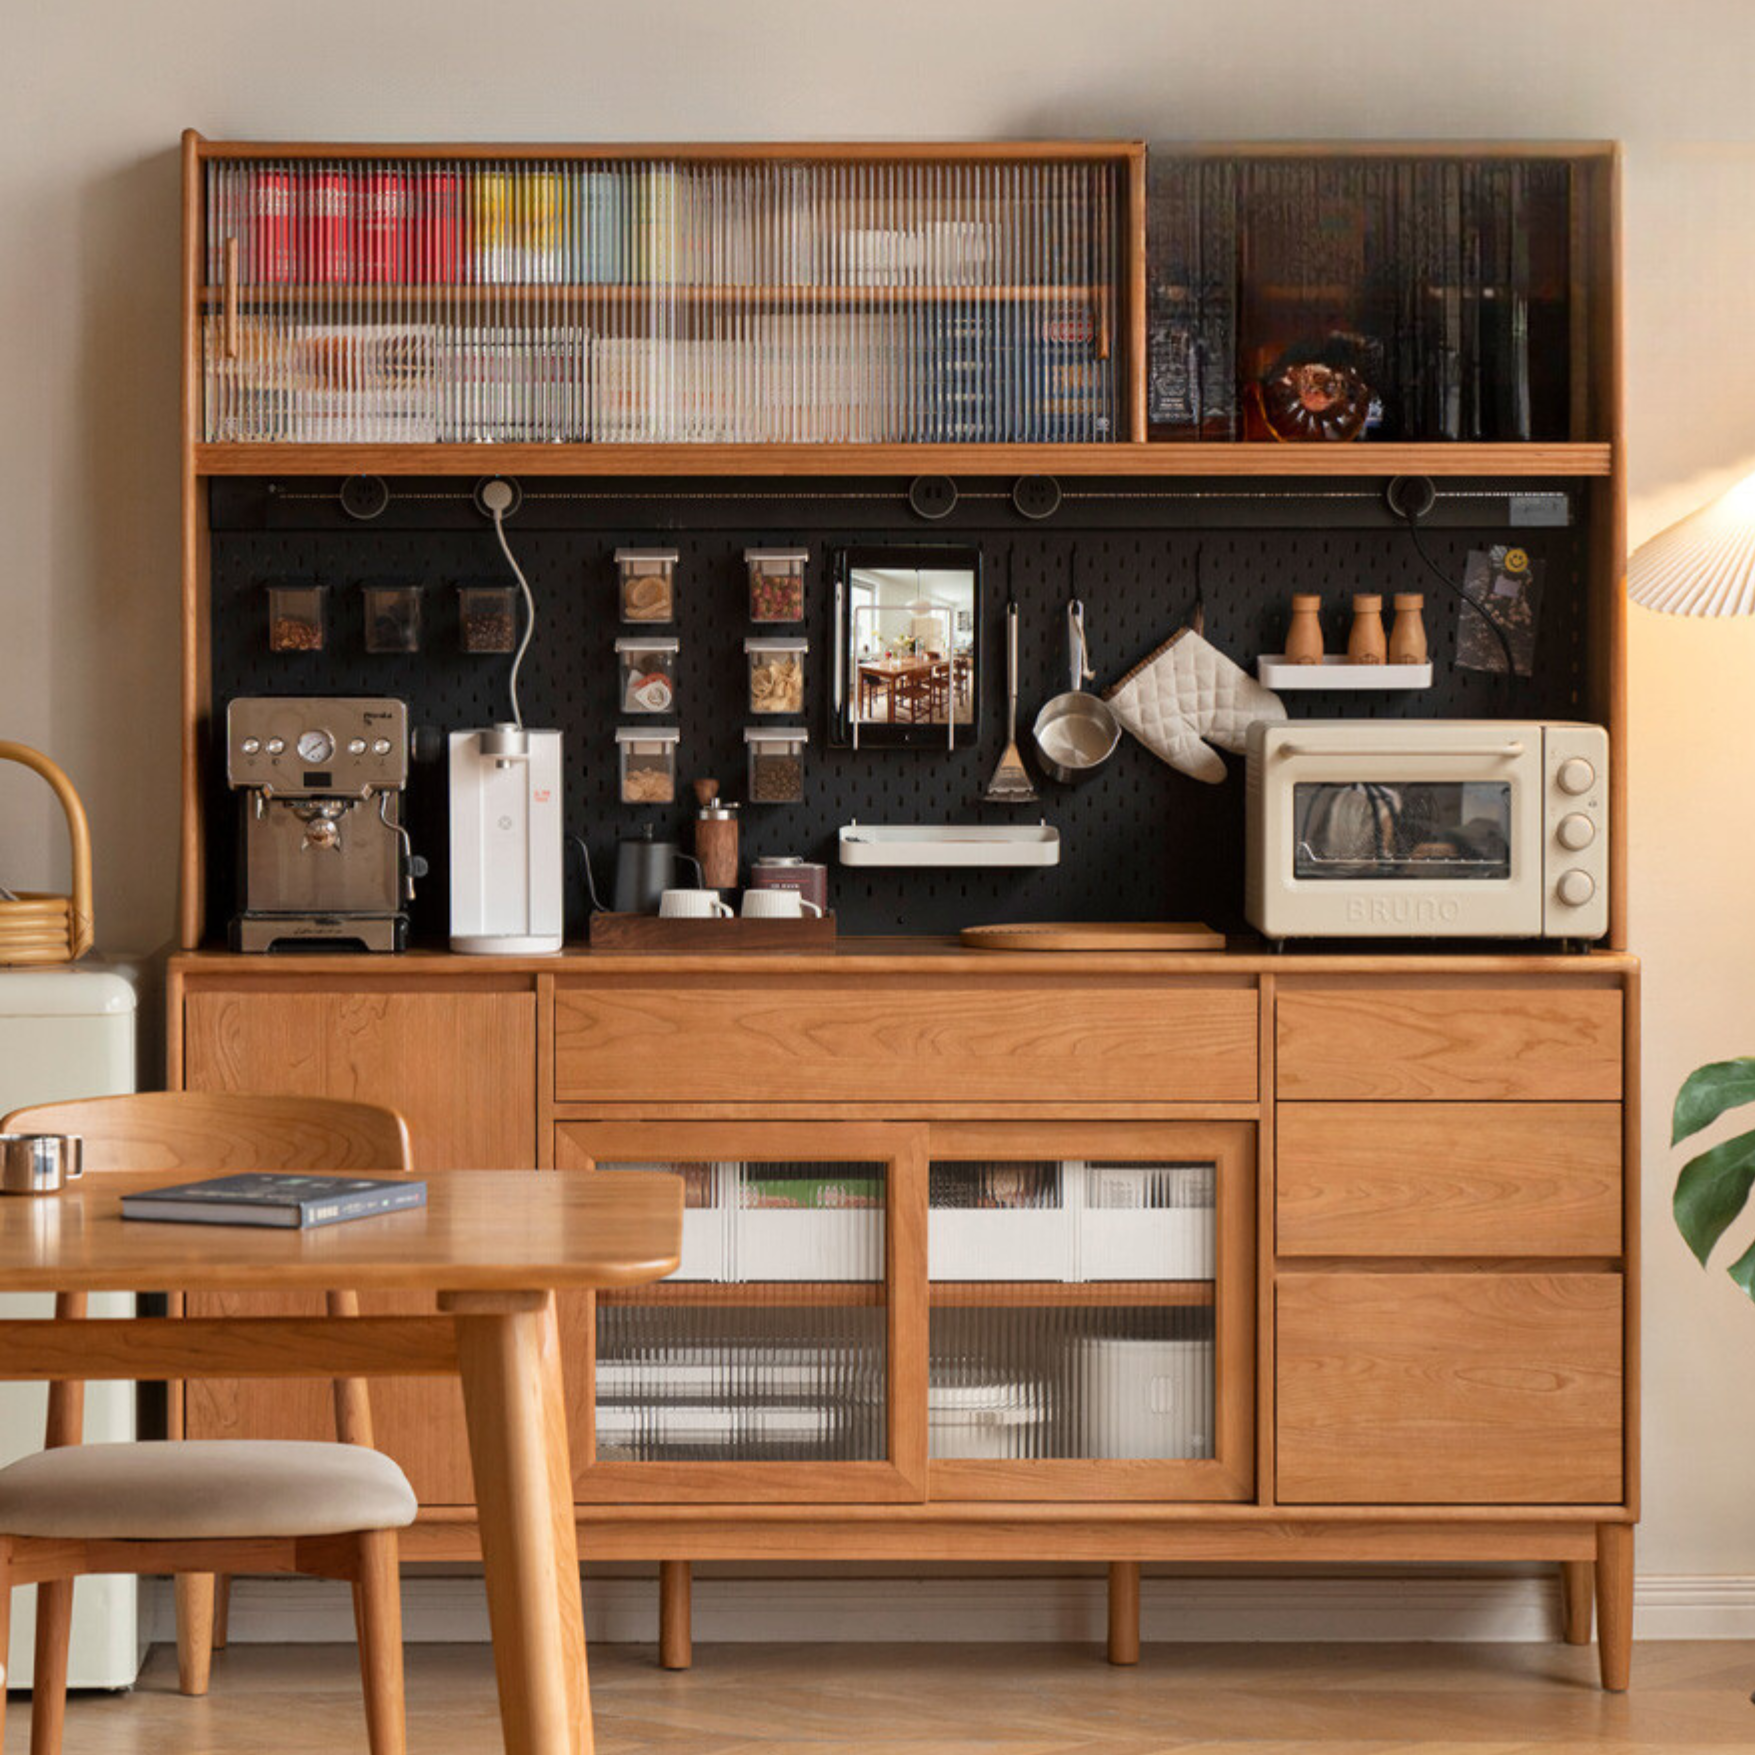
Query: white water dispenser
column 507, row 849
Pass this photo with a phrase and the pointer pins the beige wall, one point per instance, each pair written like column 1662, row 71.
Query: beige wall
column 94, row 92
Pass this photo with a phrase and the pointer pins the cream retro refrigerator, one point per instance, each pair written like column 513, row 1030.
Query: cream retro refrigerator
column 69, row 1033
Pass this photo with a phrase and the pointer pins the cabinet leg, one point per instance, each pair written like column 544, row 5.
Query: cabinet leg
column 194, row 1595
column 1124, row 1611
column 1615, row 1604
column 1577, row 1586
column 675, row 1642
column 222, row 1610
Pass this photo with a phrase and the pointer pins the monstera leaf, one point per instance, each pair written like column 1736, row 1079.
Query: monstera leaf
column 1713, row 1188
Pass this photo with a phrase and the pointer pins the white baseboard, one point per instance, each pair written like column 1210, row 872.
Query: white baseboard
column 1013, row 1609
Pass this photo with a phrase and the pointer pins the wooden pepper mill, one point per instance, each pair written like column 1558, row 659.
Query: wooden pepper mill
column 1304, row 636
column 1407, row 638
column 715, row 837
column 1365, row 641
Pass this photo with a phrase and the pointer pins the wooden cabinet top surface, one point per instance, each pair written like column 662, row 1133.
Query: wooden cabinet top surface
column 943, row 957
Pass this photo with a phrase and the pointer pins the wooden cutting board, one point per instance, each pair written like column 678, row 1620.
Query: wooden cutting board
column 1120, row 935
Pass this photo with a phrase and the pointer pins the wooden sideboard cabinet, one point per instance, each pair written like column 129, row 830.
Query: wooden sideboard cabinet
column 1119, row 1259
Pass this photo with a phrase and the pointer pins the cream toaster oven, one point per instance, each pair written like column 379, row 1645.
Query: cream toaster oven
column 1434, row 828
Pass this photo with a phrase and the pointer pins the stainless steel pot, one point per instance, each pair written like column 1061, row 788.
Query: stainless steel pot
column 1076, row 732
column 40, row 1163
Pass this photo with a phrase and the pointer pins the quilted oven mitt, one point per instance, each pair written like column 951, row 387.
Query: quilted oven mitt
column 1188, row 695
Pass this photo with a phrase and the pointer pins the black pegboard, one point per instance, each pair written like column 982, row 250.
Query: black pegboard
column 1139, row 841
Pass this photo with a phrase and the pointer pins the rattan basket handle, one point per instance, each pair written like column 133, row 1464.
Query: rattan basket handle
column 78, row 832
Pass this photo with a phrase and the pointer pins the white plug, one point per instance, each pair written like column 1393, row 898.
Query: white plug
column 496, row 497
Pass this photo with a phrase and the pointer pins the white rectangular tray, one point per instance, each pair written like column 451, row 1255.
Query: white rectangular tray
column 985, row 844
column 1274, row 671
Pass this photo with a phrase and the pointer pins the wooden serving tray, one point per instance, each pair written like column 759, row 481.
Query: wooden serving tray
column 1121, row 935
column 647, row 932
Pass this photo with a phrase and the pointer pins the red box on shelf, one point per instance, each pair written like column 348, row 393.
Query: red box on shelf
column 382, row 207
column 328, row 227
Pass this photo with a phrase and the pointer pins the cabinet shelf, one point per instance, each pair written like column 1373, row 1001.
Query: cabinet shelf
column 1071, row 1294
column 946, row 1294
column 766, row 1294
column 1583, row 459
column 453, row 294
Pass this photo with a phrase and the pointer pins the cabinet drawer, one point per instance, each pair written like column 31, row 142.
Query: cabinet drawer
column 1481, row 1043
column 901, row 1038
column 1474, row 1389
column 1449, row 1179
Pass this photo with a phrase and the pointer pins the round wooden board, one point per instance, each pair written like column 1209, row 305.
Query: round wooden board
column 1120, row 935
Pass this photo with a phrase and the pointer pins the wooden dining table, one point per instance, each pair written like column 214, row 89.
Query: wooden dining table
column 495, row 1246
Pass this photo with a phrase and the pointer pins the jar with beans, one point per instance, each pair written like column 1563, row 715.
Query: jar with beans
column 392, row 618
column 776, row 757
column 297, row 617
column 488, row 616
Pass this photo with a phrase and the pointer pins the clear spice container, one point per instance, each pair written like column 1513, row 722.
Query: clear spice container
column 648, row 583
column 647, row 757
column 776, row 755
column 776, row 674
column 392, row 617
column 776, row 583
column 296, row 617
column 488, row 617
column 648, row 673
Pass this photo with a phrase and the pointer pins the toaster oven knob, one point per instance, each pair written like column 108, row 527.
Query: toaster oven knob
column 356, row 746
column 1575, row 888
column 1575, row 832
column 251, row 745
column 1576, row 775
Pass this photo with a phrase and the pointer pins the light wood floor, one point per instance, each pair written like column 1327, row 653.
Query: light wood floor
column 968, row 1700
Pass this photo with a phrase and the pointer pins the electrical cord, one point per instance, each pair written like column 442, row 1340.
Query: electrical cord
column 497, row 504
column 1411, row 519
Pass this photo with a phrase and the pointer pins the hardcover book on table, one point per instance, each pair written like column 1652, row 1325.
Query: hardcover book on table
column 287, row 1201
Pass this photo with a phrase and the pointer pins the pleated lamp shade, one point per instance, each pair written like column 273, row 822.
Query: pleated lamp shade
column 1703, row 564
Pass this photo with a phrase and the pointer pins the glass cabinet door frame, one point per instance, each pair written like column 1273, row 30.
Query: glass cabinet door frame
column 901, row 1148
column 1229, row 1474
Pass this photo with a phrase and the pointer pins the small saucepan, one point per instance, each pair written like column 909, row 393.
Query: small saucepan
column 1075, row 732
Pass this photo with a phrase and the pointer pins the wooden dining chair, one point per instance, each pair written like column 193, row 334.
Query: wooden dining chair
column 199, row 1508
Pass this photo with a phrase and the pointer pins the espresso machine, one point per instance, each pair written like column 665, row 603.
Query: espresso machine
column 323, row 856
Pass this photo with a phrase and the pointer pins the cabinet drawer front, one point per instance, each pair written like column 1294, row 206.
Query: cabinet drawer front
column 903, row 1038
column 1473, row 1389
column 1480, row 1043
column 1449, row 1179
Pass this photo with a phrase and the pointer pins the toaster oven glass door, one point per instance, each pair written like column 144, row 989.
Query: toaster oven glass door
column 1421, row 831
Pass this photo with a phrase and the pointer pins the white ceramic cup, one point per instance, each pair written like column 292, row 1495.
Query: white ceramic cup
column 776, row 905
column 692, row 905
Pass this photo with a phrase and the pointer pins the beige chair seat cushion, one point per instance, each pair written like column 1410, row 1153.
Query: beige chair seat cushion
column 171, row 1490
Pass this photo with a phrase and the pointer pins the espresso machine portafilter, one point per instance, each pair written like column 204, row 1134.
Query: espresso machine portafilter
column 323, row 856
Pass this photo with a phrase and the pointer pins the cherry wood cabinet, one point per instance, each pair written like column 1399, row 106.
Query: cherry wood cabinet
column 1123, row 1258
